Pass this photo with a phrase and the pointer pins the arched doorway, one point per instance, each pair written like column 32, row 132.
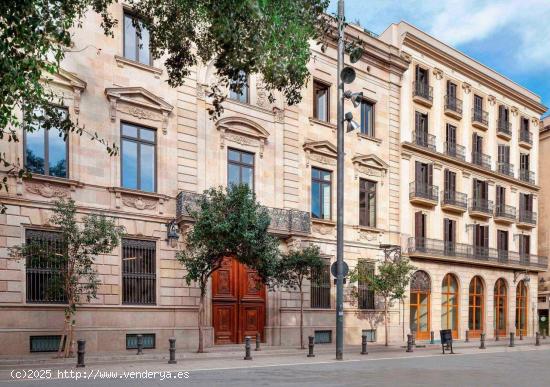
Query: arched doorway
column 476, row 305
column 449, row 304
column 420, row 305
column 501, row 307
column 521, row 308
column 238, row 303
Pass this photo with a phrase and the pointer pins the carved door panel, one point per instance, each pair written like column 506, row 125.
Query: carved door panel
column 224, row 316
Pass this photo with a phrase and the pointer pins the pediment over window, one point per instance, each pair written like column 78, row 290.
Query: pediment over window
column 140, row 103
column 62, row 81
column 323, row 152
column 371, row 165
column 242, row 131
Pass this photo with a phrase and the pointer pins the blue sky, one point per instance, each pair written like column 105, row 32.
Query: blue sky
column 510, row 36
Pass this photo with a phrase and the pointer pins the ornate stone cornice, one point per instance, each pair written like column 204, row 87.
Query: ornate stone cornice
column 322, row 152
column 243, row 131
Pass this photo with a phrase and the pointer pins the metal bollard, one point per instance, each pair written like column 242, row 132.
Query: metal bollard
column 520, row 334
column 511, row 339
column 247, row 348
column 414, row 338
column 432, row 337
column 544, row 333
column 257, row 342
column 467, row 339
column 311, row 344
column 537, row 339
column 81, row 352
column 481, row 341
column 140, row 344
column 497, row 338
column 409, row 343
column 172, row 341
column 364, row 345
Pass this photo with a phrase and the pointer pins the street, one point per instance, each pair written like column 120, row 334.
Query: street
column 469, row 367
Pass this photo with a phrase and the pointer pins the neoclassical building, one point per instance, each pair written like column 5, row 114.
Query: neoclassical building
column 469, row 150
column 544, row 226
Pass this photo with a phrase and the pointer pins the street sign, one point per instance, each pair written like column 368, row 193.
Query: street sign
column 333, row 269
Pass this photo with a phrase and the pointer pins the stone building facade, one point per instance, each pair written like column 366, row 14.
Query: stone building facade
column 544, row 226
column 171, row 151
column 469, row 192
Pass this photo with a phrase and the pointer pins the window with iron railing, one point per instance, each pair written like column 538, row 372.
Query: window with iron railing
column 320, row 288
column 138, row 272
column 365, row 294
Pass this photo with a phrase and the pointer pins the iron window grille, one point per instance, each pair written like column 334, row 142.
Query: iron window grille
column 44, row 343
column 320, row 288
column 138, row 272
column 323, row 337
column 371, row 335
column 365, row 295
column 149, row 341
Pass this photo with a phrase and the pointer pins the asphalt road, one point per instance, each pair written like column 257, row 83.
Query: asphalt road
column 525, row 368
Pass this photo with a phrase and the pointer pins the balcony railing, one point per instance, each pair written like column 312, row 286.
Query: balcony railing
column 454, row 104
column 451, row 250
column 526, row 175
column 505, row 211
column 506, row 169
column 526, row 136
column 529, row 217
column 481, row 205
column 424, row 140
column 504, row 127
column 423, row 190
column 481, row 159
column 453, row 198
column 454, row 150
column 480, row 116
column 423, row 90
column 283, row 220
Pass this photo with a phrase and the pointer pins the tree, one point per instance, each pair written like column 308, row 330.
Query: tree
column 389, row 282
column 295, row 267
column 228, row 223
column 74, row 257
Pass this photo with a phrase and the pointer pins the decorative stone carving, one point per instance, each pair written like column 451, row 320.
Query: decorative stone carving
column 139, row 203
column 406, row 56
column 492, row 99
column 61, row 82
column 261, row 94
column 467, row 88
column 202, row 91
column 367, row 235
column 438, row 73
column 514, row 110
column 370, row 165
column 323, row 229
column 535, row 121
column 140, row 113
column 47, row 190
column 320, row 151
column 279, row 115
column 243, row 131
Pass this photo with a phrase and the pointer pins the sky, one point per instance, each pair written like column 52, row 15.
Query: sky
column 510, row 36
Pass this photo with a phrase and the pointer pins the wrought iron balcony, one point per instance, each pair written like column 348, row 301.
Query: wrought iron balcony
column 481, row 206
column 504, row 211
column 506, row 169
column 424, row 91
column 480, row 118
column 453, row 106
column 454, row 150
column 481, row 159
column 429, row 248
column 527, row 217
column 423, row 192
column 459, row 200
column 283, row 221
column 424, row 140
column 504, row 127
column 525, row 137
column 526, row 175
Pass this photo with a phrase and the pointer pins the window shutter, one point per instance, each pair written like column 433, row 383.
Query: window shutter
column 486, row 236
column 430, row 174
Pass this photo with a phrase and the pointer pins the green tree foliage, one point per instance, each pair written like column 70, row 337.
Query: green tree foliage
column 389, row 281
column 81, row 242
column 295, row 267
column 228, row 223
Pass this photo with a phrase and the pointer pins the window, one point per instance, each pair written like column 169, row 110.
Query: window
column 524, row 247
column 449, row 182
column 321, row 182
column 321, row 98
column 136, row 44
column 367, row 118
column 149, row 341
column 481, row 240
column 45, row 343
column 449, row 304
column 500, row 197
column 323, row 337
column 521, row 309
column 478, row 107
column 449, row 235
column 367, row 203
column 420, row 230
column 421, row 136
column 240, row 84
column 503, row 115
column 481, row 191
column 500, row 305
column 502, row 245
column 320, row 288
column 476, row 307
column 366, row 296
column 42, row 267
column 138, row 272
column 240, row 168
column 138, row 158
column 420, row 305
column 524, row 161
column 371, row 335
column 46, row 149
column 524, row 124
column 450, row 144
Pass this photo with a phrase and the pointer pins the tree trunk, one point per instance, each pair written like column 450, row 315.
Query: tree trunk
column 302, row 319
column 386, row 321
column 201, row 318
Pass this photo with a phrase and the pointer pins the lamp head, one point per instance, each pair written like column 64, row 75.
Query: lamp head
column 352, row 125
column 347, row 74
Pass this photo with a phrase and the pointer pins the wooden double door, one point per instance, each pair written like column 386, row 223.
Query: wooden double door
column 238, row 303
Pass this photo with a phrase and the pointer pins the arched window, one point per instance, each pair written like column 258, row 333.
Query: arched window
column 521, row 308
column 449, row 304
column 420, row 305
column 501, row 306
column 476, row 307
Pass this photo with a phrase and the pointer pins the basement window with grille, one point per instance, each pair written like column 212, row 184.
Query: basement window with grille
column 323, row 337
column 44, row 343
column 371, row 335
column 138, row 272
column 148, row 341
